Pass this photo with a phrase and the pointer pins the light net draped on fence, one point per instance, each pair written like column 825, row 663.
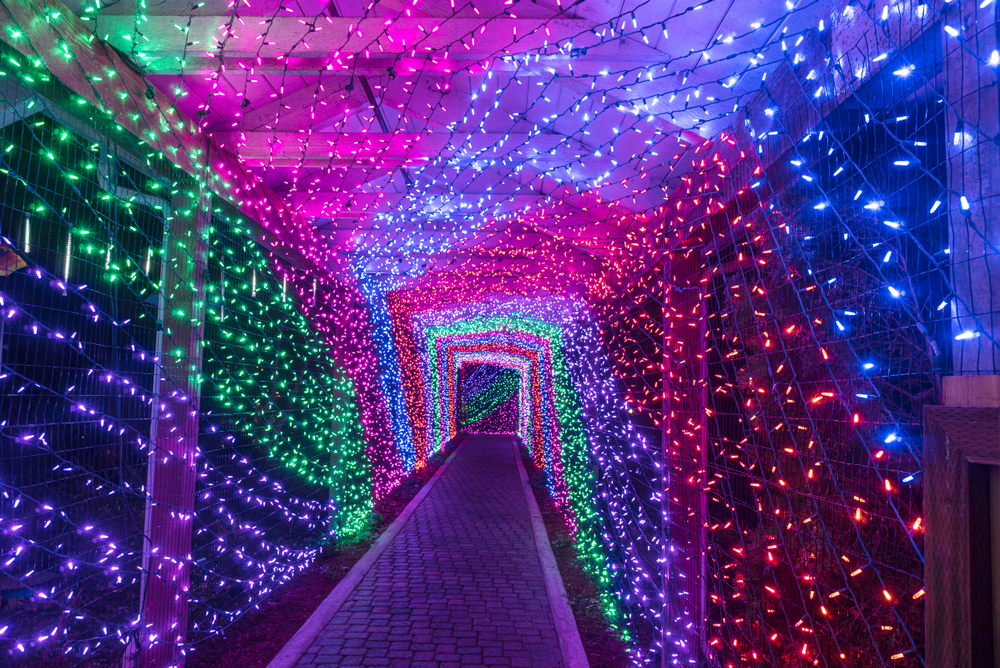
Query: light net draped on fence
column 98, row 233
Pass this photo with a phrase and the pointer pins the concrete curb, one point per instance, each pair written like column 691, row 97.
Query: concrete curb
column 303, row 639
column 573, row 653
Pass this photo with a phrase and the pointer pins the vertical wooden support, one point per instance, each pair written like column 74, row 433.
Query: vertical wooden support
column 337, row 466
column 172, row 474
column 685, row 453
column 961, row 457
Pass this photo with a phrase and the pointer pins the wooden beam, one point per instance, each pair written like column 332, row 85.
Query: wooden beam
column 47, row 30
column 371, row 148
column 961, row 445
column 330, row 36
column 309, row 66
column 303, row 107
column 597, row 59
column 266, row 8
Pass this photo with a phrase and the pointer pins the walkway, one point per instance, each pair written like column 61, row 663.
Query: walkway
column 461, row 583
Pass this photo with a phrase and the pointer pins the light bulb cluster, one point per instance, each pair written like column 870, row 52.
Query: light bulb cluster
column 583, row 432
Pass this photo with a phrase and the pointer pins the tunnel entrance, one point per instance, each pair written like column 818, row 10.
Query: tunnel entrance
column 489, row 399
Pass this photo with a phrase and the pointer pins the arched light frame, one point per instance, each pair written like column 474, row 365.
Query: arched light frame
column 507, row 361
column 617, row 536
column 537, row 354
column 546, row 446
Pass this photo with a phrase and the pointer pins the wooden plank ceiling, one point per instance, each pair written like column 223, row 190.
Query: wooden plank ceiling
column 415, row 132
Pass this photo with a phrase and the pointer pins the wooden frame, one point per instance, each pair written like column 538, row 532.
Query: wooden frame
column 961, row 457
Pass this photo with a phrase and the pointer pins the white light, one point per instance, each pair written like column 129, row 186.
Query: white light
column 820, row 206
column 942, row 305
column 965, row 203
column 894, row 292
column 894, row 224
column 966, row 335
column 905, row 71
column 887, row 257
column 874, row 205
column 69, row 252
column 994, row 58
column 934, row 207
column 27, row 236
column 868, row 365
column 902, row 163
column 951, row 31
column 891, row 438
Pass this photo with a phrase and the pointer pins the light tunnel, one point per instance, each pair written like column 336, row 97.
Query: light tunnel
column 723, row 273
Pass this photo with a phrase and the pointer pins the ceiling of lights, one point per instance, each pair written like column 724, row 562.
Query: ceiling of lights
column 427, row 134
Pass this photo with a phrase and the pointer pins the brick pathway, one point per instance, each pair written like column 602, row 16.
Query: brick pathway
column 459, row 586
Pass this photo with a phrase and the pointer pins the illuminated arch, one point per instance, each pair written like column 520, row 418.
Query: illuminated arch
column 507, row 361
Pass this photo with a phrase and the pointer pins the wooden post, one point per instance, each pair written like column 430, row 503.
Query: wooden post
column 685, row 450
column 961, row 486
column 172, row 472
